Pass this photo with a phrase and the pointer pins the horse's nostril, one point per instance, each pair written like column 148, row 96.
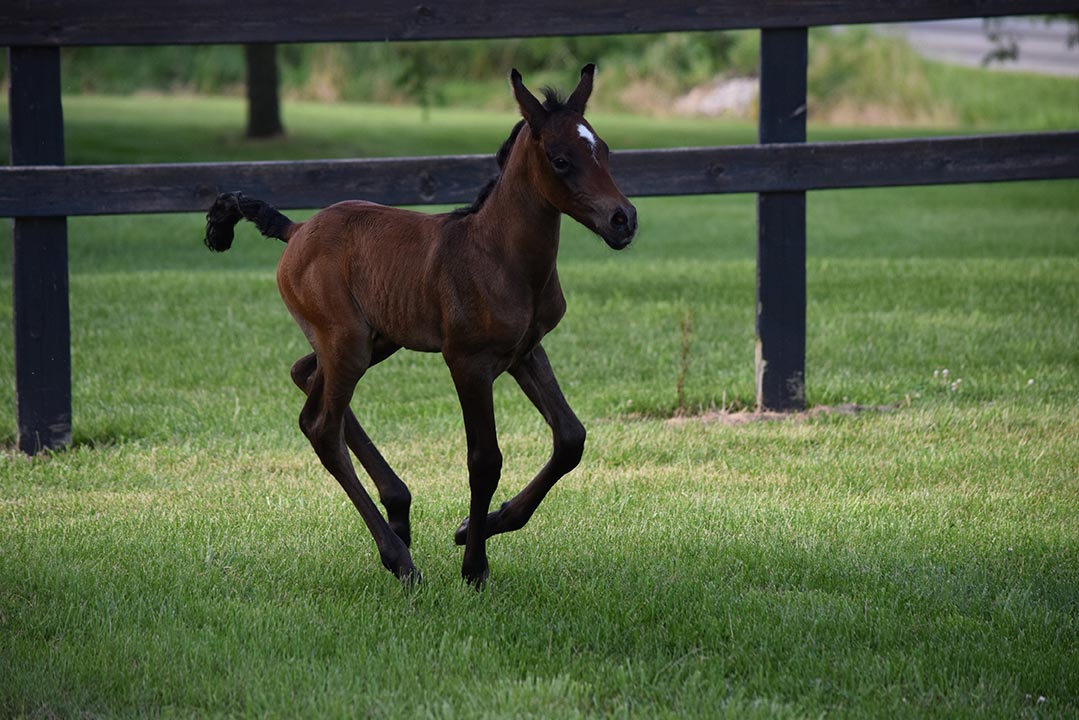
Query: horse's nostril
column 619, row 219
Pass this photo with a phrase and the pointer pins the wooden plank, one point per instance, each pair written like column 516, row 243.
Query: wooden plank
column 120, row 189
column 781, row 229
column 838, row 165
column 136, row 22
column 115, row 189
column 41, row 313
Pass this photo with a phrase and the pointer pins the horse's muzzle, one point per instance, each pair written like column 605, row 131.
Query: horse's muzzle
column 621, row 228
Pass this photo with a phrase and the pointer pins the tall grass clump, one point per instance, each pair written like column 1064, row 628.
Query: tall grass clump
column 857, row 75
column 205, row 70
column 1013, row 101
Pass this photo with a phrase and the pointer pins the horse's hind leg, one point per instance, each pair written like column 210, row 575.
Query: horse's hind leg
column 392, row 491
column 535, row 376
column 329, row 389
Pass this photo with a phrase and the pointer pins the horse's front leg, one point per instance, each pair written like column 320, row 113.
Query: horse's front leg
column 535, row 376
column 473, row 381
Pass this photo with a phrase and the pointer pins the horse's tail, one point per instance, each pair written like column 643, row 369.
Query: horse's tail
column 229, row 208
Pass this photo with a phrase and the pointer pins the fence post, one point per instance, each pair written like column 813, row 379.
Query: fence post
column 40, row 280
column 781, row 229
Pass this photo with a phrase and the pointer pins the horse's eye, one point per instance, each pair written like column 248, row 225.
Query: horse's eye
column 560, row 163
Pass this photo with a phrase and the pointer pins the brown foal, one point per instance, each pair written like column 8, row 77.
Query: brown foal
column 478, row 285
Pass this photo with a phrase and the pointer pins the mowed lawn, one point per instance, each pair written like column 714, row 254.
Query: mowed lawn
column 190, row 557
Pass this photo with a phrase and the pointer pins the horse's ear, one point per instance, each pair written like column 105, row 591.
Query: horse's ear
column 579, row 98
column 531, row 109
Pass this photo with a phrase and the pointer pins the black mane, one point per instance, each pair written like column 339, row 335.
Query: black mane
column 501, row 157
column 553, row 102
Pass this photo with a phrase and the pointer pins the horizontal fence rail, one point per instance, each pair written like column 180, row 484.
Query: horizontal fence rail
column 179, row 22
column 45, row 191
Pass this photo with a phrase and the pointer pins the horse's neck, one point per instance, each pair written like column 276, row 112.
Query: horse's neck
column 524, row 226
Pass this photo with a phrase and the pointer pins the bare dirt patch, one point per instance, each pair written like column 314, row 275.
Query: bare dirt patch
column 743, row 417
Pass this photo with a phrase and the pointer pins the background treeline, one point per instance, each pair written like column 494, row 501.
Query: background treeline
column 432, row 72
column 856, row 76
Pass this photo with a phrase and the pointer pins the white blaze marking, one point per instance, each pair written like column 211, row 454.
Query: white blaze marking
column 590, row 138
column 586, row 134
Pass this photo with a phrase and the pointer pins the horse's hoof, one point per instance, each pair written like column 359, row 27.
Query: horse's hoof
column 397, row 559
column 461, row 535
column 476, row 579
column 494, row 525
column 410, row 577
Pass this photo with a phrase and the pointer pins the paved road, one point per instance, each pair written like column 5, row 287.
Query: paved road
column 1042, row 47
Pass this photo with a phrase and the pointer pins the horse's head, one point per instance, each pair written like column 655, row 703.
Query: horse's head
column 570, row 162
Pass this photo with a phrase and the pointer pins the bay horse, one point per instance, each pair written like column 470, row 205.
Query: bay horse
column 478, row 285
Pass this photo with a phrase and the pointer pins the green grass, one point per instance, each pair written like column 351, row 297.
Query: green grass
column 189, row 557
column 1021, row 101
column 133, row 129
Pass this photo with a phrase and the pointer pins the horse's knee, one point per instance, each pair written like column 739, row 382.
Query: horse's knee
column 569, row 445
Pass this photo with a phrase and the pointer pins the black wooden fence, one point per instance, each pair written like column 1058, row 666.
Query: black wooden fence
column 39, row 192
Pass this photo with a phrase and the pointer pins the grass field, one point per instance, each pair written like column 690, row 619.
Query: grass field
column 189, row 557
